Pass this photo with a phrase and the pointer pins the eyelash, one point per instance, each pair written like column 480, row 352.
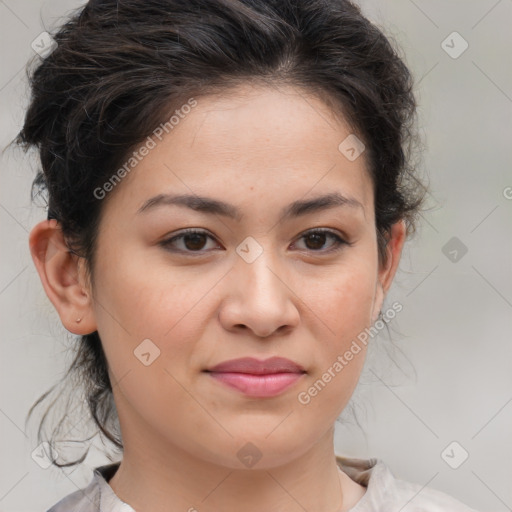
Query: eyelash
column 166, row 244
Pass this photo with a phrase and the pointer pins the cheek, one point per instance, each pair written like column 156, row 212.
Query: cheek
column 135, row 302
column 148, row 322
column 146, row 299
column 343, row 299
column 342, row 306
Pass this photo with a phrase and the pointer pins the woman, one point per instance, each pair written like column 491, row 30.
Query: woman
column 229, row 190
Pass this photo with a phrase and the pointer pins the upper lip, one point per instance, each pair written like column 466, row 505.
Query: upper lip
column 255, row 366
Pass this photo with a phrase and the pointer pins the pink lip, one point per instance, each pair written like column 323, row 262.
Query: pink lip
column 258, row 378
column 258, row 385
column 257, row 367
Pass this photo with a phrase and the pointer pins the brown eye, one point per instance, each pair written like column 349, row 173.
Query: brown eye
column 192, row 241
column 316, row 239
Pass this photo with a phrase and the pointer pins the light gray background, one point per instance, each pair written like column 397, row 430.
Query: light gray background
column 456, row 323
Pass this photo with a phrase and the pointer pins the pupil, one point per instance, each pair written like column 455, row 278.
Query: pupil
column 195, row 239
column 318, row 237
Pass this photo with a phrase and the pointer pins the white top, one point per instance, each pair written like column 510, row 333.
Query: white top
column 384, row 492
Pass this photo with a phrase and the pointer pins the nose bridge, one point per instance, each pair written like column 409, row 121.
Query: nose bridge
column 257, row 266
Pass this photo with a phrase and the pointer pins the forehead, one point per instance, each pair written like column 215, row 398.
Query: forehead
column 276, row 142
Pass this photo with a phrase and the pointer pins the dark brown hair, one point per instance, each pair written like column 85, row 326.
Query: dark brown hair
column 120, row 68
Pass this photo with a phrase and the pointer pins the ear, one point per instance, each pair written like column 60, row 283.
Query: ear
column 395, row 243
column 63, row 277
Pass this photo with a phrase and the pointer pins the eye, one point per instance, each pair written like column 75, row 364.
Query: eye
column 192, row 240
column 316, row 239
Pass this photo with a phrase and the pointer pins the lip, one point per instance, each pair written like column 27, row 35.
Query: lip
column 257, row 367
column 257, row 378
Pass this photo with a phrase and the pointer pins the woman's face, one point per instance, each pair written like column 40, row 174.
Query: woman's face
column 256, row 283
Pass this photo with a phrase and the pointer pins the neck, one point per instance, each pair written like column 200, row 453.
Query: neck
column 152, row 479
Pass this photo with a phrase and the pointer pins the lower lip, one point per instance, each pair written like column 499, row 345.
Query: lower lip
column 258, row 385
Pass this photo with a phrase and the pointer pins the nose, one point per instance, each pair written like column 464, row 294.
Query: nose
column 260, row 297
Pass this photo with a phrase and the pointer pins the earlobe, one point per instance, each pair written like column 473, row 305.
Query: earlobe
column 62, row 277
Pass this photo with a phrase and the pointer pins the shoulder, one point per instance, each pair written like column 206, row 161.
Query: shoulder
column 385, row 491
column 90, row 498
column 83, row 500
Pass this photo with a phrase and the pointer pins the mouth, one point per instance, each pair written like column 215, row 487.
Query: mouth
column 256, row 378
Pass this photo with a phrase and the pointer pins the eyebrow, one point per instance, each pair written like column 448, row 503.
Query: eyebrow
column 215, row 207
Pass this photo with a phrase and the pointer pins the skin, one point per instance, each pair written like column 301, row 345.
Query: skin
column 259, row 148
